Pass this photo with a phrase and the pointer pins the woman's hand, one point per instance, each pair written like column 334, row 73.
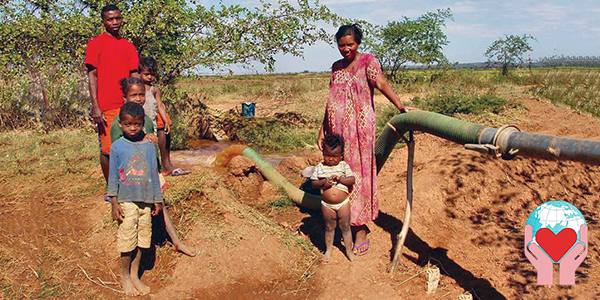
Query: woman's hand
column 404, row 109
column 320, row 139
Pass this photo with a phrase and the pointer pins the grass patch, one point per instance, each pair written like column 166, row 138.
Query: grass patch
column 184, row 187
column 577, row 88
column 271, row 135
column 281, row 203
column 453, row 104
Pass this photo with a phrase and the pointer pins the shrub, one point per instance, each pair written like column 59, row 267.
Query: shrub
column 452, row 104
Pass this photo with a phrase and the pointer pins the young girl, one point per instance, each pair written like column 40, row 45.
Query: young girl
column 155, row 109
column 334, row 177
column 134, row 90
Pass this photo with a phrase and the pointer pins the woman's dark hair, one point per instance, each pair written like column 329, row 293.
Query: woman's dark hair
column 353, row 30
column 150, row 64
column 107, row 8
column 133, row 109
column 126, row 83
column 333, row 141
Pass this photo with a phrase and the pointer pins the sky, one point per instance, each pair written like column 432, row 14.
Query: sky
column 560, row 27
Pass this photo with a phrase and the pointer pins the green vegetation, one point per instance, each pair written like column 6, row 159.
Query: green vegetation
column 419, row 41
column 275, row 135
column 509, row 51
column 453, row 104
column 577, row 88
column 42, row 84
column 281, row 203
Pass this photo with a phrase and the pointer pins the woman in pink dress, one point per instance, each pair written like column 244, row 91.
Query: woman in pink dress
column 350, row 113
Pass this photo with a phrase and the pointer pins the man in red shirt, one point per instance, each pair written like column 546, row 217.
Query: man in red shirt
column 108, row 59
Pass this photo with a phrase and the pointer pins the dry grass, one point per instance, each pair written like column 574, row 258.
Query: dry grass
column 65, row 250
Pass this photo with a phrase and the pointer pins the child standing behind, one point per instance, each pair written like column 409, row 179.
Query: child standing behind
column 134, row 91
column 334, row 177
column 134, row 189
column 155, row 109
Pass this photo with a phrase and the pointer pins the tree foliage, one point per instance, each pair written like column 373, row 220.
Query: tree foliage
column 46, row 39
column 509, row 51
column 420, row 41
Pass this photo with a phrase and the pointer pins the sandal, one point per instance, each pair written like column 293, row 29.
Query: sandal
column 358, row 252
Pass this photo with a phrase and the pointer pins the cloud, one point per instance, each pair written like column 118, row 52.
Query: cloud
column 466, row 7
column 473, row 30
column 340, row 2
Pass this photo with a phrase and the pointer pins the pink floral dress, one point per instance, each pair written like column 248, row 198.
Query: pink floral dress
column 350, row 113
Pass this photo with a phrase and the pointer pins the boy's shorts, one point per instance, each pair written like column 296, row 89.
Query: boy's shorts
column 136, row 228
column 104, row 135
column 160, row 123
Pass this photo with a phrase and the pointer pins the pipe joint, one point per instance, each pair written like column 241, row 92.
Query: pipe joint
column 501, row 141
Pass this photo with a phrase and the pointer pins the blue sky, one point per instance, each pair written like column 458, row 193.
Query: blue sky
column 560, row 27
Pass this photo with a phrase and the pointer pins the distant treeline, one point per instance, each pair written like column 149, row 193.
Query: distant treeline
column 544, row 62
column 568, row 61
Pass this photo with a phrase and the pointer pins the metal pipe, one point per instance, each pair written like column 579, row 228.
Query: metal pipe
column 506, row 141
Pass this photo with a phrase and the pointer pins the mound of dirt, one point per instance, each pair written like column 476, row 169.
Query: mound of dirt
column 245, row 180
column 242, row 255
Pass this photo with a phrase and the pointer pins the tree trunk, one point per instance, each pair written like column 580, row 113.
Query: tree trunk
column 505, row 70
column 37, row 80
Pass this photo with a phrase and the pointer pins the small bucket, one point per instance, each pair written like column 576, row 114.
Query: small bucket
column 248, row 109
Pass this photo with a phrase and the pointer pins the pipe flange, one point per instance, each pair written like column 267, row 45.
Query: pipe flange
column 500, row 140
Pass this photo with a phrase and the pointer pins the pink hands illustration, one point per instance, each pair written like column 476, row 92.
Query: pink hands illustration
column 573, row 259
column 544, row 264
column 536, row 256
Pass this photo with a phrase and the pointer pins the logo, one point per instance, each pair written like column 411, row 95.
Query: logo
column 556, row 233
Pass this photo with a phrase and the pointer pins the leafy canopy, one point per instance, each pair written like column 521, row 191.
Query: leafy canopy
column 509, row 51
column 180, row 34
column 419, row 41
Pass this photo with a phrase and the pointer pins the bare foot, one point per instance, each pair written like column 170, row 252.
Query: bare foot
column 140, row 286
column 128, row 287
column 349, row 254
column 181, row 247
column 327, row 256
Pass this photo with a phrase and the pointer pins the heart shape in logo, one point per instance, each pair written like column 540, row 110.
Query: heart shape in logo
column 556, row 245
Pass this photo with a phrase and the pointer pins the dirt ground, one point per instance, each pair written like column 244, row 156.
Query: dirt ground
column 469, row 212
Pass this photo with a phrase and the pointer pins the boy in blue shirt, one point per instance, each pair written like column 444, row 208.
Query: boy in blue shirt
column 134, row 191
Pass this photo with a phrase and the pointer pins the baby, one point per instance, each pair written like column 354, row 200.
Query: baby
column 334, row 178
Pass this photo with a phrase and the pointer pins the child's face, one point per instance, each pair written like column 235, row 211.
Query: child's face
column 347, row 47
column 131, row 126
column 147, row 76
column 137, row 94
column 332, row 157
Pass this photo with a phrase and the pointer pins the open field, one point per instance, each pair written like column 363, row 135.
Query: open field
column 57, row 239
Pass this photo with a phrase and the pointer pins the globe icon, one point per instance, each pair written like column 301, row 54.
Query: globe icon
column 555, row 215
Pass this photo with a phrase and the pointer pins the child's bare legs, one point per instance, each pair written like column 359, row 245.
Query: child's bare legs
column 104, row 160
column 344, row 221
column 164, row 145
column 179, row 245
column 330, row 218
column 135, row 268
column 128, row 288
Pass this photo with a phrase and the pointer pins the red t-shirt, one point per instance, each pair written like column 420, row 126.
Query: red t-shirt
column 114, row 58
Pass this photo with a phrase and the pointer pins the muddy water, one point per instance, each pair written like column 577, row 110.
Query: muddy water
column 206, row 153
